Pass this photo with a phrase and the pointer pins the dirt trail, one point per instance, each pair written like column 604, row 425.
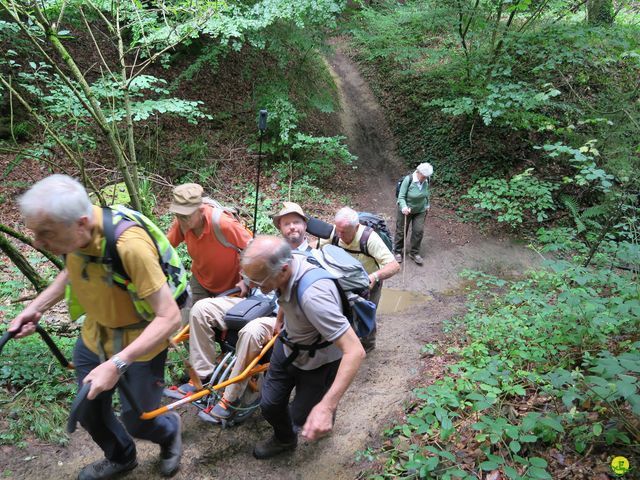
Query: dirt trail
column 384, row 382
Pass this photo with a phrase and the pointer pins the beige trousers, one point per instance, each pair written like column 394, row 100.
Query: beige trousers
column 207, row 315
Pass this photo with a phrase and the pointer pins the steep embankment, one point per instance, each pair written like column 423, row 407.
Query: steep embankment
column 384, row 382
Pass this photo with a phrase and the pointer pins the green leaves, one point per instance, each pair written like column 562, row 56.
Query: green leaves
column 514, row 200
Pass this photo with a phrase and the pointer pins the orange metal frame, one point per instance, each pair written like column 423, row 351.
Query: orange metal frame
column 252, row 369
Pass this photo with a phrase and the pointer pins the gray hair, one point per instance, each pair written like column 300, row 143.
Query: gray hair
column 425, row 169
column 273, row 252
column 59, row 197
column 349, row 215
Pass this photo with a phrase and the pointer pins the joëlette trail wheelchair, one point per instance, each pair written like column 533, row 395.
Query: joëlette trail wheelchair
column 209, row 393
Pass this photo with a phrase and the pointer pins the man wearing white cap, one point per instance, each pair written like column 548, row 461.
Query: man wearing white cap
column 413, row 205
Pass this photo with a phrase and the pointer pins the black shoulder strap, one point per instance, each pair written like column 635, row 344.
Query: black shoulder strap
column 111, row 235
column 406, row 183
column 111, row 256
column 364, row 239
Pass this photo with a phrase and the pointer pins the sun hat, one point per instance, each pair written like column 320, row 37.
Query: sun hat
column 289, row 207
column 187, row 199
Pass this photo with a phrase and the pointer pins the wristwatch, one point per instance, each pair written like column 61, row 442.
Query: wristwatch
column 376, row 276
column 120, row 364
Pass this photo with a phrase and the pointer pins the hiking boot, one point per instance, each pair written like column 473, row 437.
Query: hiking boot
column 171, row 453
column 398, row 257
column 271, row 447
column 187, row 388
column 105, row 468
column 225, row 409
column 179, row 392
column 417, row 258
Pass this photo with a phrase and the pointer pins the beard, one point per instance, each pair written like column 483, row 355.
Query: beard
column 294, row 238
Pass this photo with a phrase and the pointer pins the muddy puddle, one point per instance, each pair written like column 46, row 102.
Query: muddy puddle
column 394, row 300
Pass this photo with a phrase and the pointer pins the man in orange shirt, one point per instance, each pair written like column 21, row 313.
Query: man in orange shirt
column 215, row 266
column 214, row 242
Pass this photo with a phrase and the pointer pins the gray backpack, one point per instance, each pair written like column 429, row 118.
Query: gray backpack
column 348, row 271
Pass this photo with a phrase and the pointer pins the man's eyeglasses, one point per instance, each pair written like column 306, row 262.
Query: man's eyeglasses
column 250, row 281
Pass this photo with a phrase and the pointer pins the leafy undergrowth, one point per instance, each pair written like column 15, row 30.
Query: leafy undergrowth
column 544, row 383
column 33, row 403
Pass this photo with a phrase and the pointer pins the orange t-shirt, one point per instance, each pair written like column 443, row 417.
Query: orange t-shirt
column 216, row 267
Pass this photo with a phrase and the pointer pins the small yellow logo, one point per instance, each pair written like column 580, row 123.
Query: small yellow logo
column 620, row 465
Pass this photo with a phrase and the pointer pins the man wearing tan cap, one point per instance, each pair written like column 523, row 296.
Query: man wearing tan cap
column 214, row 240
column 209, row 314
column 215, row 266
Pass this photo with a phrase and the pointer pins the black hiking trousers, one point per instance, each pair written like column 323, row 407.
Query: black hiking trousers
column 113, row 435
column 310, row 385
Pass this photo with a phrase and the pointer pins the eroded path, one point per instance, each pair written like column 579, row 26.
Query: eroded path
column 383, row 384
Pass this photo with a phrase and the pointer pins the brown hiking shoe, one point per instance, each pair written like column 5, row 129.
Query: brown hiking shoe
column 271, row 447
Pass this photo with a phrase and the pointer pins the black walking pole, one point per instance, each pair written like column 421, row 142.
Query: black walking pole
column 262, row 125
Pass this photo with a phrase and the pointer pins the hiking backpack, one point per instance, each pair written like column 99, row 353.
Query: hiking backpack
column 372, row 223
column 217, row 211
column 399, row 184
column 115, row 221
column 352, row 282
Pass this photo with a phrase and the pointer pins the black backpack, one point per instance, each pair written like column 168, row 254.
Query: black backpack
column 399, row 184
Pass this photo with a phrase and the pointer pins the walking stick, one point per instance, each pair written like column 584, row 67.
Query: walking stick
column 404, row 249
column 262, row 126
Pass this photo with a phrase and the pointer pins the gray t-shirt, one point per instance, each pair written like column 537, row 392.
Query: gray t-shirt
column 321, row 314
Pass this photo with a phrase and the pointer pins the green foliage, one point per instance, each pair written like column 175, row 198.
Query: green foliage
column 582, row 159
column 36, row 392
column 515, row 199
column 267, row 207
column 516, row 105
column 560, row 344
column 474, row 92
column 310, row 158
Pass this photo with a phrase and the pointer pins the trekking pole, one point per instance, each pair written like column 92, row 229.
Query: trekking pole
column 262, row 126
column 404, row 249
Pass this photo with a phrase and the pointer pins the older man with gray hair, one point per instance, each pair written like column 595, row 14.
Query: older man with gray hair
column 376, row 258
column 320, row 378
column 58, row 212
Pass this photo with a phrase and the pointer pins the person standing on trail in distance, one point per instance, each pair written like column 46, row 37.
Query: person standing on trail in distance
column 378, row 261
column 321, row 379
column 413, row 206
column 58, row 211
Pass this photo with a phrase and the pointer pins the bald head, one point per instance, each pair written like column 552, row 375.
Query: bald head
column 266, row 262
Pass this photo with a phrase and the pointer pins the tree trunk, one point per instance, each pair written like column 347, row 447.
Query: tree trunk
column 57, row 261
column 22, row 263
column 600, row 12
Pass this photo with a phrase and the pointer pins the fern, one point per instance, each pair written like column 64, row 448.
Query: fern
column 571, row 205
